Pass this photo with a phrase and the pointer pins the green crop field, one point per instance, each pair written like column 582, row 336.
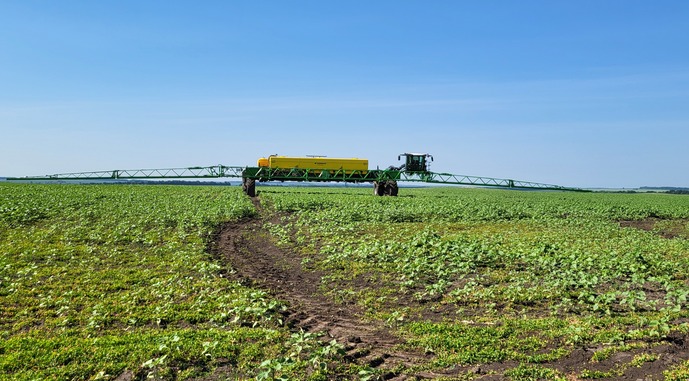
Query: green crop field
column 122, row 282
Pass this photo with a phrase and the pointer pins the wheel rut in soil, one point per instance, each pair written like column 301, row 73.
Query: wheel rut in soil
column 246, row 247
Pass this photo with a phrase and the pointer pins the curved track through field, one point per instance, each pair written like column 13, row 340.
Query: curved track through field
column 246, row 246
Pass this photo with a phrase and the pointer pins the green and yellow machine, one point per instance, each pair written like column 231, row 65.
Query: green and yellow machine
column 314, row 169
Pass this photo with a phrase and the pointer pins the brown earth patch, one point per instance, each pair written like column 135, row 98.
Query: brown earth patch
column 248, row 249
column 646, row 224
column 665, row 228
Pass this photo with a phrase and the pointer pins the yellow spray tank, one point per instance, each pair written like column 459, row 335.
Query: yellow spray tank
column 316, row 163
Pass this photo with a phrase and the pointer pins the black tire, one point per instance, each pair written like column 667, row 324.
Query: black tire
column 378, row 188
column 391, row 188
column 249, row 187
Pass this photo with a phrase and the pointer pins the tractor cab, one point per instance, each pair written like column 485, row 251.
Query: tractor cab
column 415, row 162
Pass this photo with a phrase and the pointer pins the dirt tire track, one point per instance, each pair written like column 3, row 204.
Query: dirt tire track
column 246, row 246
column 248, row 249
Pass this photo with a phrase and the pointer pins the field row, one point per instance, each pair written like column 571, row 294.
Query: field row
column 479, row 277
column 98, row 282
column 102, row 281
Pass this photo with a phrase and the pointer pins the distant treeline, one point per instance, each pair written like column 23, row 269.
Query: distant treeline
column 665, row 190
column 670, row 190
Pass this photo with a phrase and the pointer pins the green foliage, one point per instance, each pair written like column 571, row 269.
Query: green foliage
column 96, row 281
column 456, row 342
column 522, row 276
column 680, row 373
column 567, row 250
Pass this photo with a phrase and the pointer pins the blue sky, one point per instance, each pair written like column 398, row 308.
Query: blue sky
column 577, row 93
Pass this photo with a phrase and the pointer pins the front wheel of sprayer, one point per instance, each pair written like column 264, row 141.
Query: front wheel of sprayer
column 391, row 188
column 378, row 188
column 385, row 188
column 249, row 187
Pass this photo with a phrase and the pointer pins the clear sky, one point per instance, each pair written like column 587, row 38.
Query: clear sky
column 590, row 93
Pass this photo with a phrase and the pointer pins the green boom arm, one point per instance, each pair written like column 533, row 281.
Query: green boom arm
column 252, row 174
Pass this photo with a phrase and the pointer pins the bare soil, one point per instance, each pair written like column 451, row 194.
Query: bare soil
column 247, row 248
column 665, row 228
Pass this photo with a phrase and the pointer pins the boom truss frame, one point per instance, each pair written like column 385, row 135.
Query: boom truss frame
column 263, row 174
column 164, row 173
